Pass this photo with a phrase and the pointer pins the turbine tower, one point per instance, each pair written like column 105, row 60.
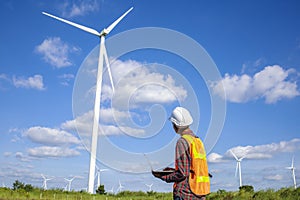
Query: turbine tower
column 70, row 182
column 292, row 168
column 45, row 181
column 238, row 166
column 102, row 57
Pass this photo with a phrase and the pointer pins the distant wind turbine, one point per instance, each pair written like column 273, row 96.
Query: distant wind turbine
column 98, row 175
column 102, row 55
column 238, row 166
column 45, row 181
column 111, row 190
column 66, row 187
column 292, row 168
column 150, row 186
column 120, row 187
column 70, row 182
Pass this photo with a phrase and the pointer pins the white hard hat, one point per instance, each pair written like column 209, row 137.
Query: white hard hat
column 181, row 117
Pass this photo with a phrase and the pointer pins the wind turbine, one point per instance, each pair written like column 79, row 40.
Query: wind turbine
column 66, row 187
column 120, row 187
column 150, row 186
column 45, row 181
column 238, row 166
column 292, row 168
column 102, row 55
column 98, row 175
column 70, row 182
column 111, row 190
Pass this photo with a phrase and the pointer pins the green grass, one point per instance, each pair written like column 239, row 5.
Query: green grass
column 7, row 194
column 35, row 194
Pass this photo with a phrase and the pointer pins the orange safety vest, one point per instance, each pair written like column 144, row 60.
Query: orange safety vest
column 198, row 178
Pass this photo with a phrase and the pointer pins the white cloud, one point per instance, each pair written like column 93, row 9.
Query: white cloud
column 20, row 156
column 7, row 154
column 139, row 84
column 65, row 79
column 271, row 84
column 48, row 136
column 215, row 158
column 276, row 177
column 84, row 123
column 56, row 52
column 46, row 151
column 35, row 82
column 265, row 151
column 79, row 8
column 4, row 77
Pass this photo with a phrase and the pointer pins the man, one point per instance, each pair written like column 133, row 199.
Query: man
column 190, row 175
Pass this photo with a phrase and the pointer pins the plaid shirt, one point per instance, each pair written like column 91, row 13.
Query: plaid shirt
column 180, row 176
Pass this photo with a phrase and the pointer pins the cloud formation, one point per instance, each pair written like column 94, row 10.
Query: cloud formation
column 34, row 82
column 65, row 79
column 79, row 8
column 139, row 84
column 272, row 84
column 84, row 123
column 56, row 52
column 265, row 151
column 56, row 143
column 46, row 151
column 48, row 136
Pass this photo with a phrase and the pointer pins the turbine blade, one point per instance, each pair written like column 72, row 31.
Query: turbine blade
column 242, row 157
column 233, row 154
column 87, row 29
column 112, row 26
column 292, row 162
column 108, row 68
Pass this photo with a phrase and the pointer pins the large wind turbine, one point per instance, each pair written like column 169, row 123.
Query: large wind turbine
column 102, row 55
column 238, row 166
column 292, row 168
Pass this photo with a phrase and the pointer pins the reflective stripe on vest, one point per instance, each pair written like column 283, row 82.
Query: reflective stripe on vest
column 202, row 179
column 195, row 152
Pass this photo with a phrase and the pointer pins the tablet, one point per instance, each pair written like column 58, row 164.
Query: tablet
column 163, row 173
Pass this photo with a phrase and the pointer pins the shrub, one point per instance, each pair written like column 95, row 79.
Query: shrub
column 100, row 190
column 246, row 188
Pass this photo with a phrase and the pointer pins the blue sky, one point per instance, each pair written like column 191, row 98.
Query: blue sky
column 245, row 72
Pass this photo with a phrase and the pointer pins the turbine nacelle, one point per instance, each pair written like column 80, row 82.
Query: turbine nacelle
column 104, row 32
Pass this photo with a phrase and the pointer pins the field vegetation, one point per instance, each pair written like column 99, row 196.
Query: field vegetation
column 22, row 191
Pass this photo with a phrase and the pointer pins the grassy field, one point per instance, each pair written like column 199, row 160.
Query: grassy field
column 35, row 194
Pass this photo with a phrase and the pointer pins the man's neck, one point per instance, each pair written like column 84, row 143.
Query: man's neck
column 186, row 131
